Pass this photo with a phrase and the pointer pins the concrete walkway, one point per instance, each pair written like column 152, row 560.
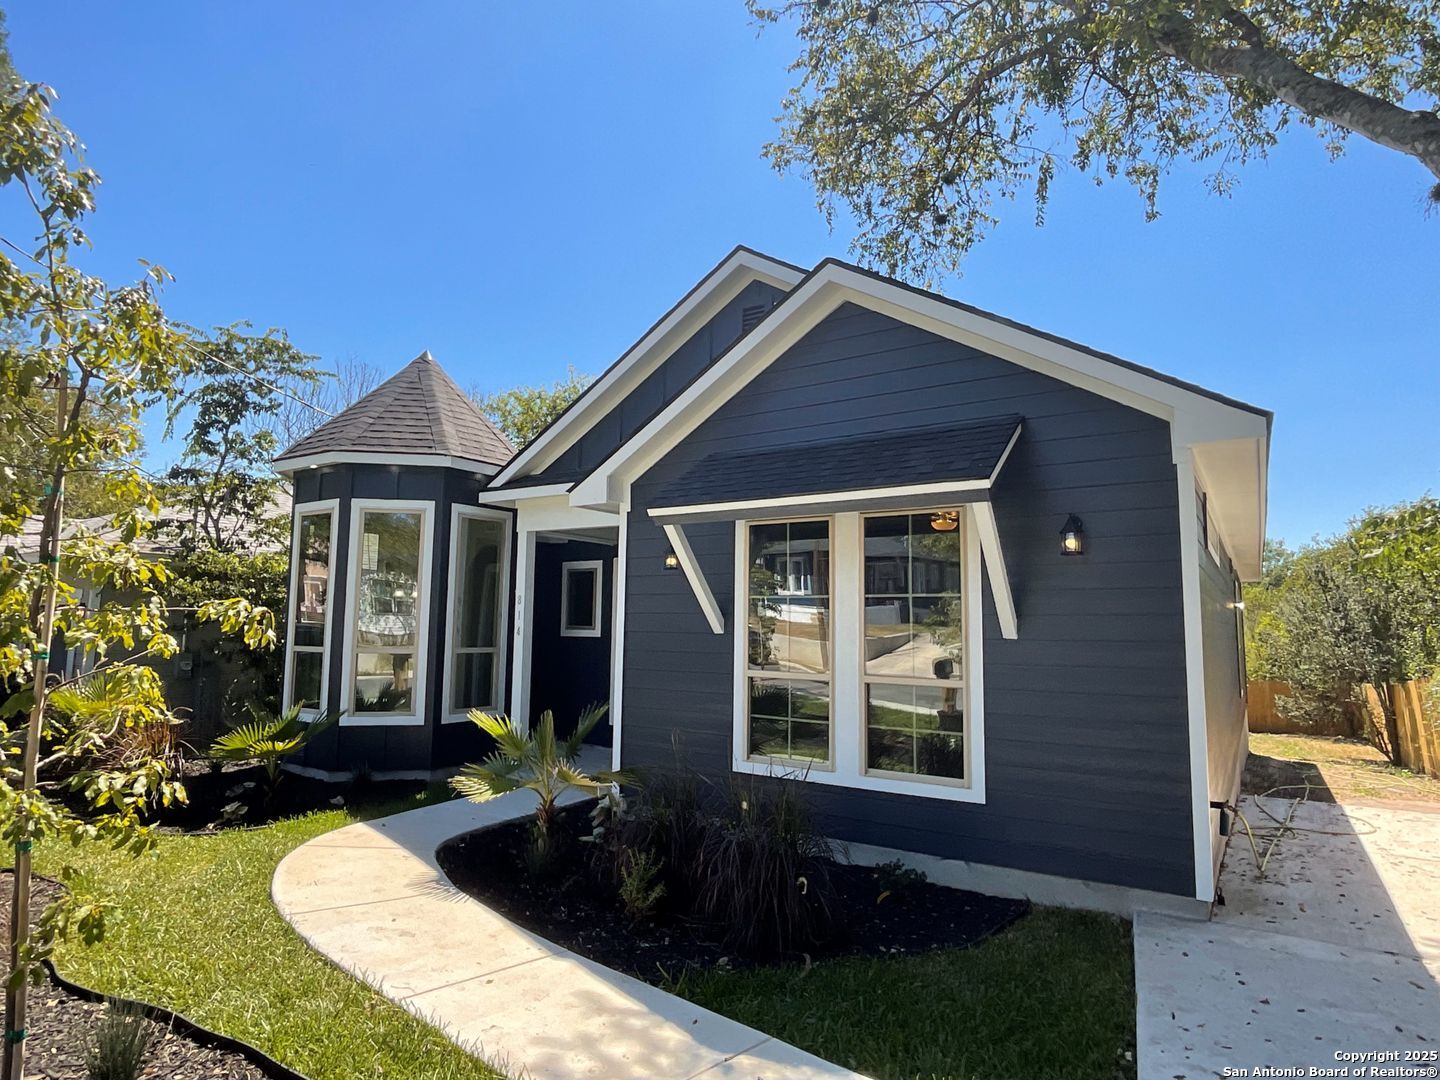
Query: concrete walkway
column 1335, row 950
column 372, row 898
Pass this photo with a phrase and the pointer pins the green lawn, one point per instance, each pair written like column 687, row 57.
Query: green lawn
column 196, row 931
column 1052, row 997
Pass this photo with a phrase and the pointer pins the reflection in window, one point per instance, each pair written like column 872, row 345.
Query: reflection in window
column 312, row 594
column 387, row 611
column 475, row 676
column 914, row 645
column 789, row 646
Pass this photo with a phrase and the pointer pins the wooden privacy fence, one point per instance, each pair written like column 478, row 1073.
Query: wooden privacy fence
column 1419, row 747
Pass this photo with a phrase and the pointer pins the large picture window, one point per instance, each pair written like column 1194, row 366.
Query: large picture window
column 789, row 647
column 914, row 641
column 310, row 604
column 477, row 602
column 389, row 611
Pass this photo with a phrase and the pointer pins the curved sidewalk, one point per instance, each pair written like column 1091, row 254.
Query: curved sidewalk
column 373, row 899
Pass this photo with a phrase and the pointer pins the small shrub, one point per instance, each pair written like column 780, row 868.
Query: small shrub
column 765, row 882
column 122, row 1039
column 640, row 887
column 895, row 879
column 536, row 760
column 268, row 741
column 671, row 822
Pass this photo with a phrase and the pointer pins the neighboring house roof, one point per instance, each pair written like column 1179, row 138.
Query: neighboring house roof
column 161, row 540
column 943, row 454
column 418, row 414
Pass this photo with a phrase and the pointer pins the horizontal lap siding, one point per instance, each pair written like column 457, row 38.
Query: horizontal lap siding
column 1087, row 757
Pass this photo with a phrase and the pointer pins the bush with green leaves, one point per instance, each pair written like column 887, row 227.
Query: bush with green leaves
column 538, row 761
column 268, row 741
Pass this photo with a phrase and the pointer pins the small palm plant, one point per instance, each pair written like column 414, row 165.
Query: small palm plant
column 538, row 761
column 268, row 741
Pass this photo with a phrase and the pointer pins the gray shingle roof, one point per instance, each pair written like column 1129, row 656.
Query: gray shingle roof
column 915, row 456
column 418, row 410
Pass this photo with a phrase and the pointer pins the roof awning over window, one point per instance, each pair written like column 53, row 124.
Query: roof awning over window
column 911, row 469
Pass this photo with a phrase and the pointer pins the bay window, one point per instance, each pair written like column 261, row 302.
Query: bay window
column 479, row 560
column 308, row 639
column 388, row 609
column 859, row 661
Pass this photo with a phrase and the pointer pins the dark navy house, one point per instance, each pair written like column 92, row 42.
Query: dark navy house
column 977, row 586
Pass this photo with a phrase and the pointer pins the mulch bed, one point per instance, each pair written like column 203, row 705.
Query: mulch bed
column 578, row 914
column 210, row 790
column 61, row 1027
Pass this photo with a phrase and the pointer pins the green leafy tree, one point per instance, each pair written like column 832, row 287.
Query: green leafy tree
column 100, row 356
column 525, row 411
column 1362, row 610
column 223, row 482
column 919, row 116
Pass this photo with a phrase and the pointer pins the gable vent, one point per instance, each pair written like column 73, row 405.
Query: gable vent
column 751, row 316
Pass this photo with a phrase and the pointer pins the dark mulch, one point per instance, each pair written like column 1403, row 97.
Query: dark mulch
column 579, row 913
column 210, row 791
column 60, row 1028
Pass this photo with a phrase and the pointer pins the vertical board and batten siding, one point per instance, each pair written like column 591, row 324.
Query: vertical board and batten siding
column 1225, row 729
column 1086, row 744
column 659, row 388
column 392, row 747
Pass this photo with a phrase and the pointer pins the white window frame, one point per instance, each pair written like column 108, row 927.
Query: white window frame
column 302, row 510
column 595, row 629
column 458, row 515
column 847, row 677
column 769, row 762
column 358, row 509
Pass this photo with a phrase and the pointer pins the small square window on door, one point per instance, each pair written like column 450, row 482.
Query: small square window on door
column 580, row 586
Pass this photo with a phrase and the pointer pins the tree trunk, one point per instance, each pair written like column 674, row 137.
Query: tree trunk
column 1411, row 131
column 49, row 554
column 1387, row 730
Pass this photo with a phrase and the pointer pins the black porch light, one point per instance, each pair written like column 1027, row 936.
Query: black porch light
column 672, row 561
column 1072, row 536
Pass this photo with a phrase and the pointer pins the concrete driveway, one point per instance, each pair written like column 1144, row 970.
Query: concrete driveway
column 1335, row 951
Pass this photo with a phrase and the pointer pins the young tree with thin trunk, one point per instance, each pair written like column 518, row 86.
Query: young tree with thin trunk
column 919, row 115
column 100, row 356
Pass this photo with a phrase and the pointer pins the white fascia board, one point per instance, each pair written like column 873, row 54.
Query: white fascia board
column 1194, row 417
column 858, row 497
column 697, row 308
column 357, row 457
column 515, row 495
column 1233, row 473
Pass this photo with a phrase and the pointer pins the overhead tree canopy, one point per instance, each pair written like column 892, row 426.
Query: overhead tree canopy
column 919, row 115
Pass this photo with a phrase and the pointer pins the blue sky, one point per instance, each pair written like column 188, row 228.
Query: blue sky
column 521, row 187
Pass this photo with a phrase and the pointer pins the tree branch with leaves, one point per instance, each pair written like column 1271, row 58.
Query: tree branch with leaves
column 921, row 116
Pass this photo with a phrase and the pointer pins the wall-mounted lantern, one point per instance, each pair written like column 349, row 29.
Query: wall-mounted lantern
column 1072, row 537
column 672, row 561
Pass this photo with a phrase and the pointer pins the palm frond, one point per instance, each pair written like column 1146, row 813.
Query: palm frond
column 592, row 715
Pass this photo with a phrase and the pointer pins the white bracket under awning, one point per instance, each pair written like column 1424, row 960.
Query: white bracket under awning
column 693, row 574
column 983, row 515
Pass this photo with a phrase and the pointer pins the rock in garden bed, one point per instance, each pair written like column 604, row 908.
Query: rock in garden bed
column 63, row 1023
column 881, row 910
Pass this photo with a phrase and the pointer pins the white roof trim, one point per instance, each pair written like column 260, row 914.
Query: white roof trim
column 693, row 311
column 353, row 457
column 1194, row 417
column 824, row 498
column 491, row 497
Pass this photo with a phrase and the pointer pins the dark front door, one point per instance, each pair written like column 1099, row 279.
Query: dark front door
column 571, row 632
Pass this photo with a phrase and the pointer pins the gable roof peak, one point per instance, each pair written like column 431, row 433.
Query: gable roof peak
column 417, row 411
